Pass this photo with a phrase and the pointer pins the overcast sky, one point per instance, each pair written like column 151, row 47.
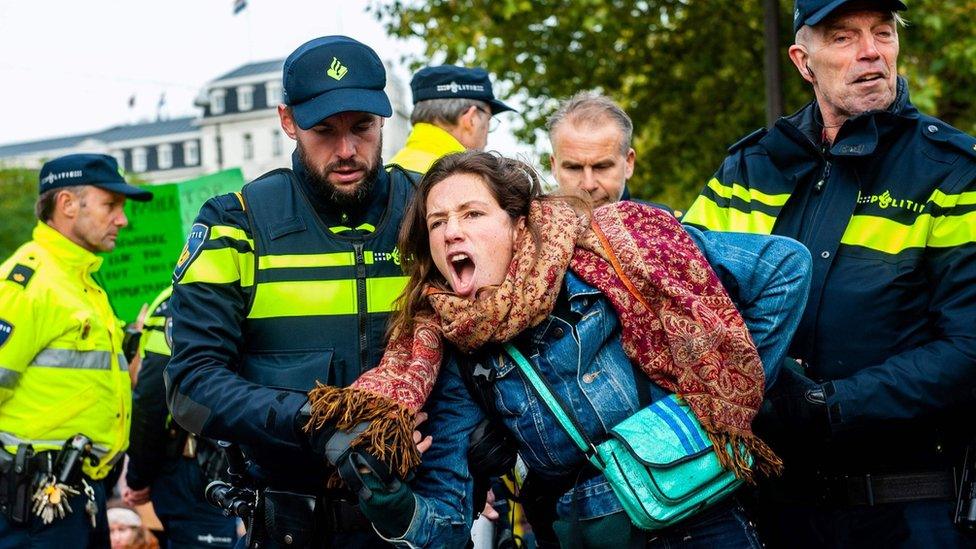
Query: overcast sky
column 70, row 67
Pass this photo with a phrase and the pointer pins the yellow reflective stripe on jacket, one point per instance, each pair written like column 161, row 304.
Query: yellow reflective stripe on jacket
column 8, row 378
column 236, row 233
column 950, row 200
column 82, row 360
column 381, row 293
column 953, row 230
column 342, row 228
column 892, row 237
column 323, row 297
column 337, row 259
column 747, row 194
column 707, row 213
column 10, row 443
column 155, row 342
column 886, row 235
column 221, row 266
column 304, row 298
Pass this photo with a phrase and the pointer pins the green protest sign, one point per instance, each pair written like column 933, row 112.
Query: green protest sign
column 142, row 263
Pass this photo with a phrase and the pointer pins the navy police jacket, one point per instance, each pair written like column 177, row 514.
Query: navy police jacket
column 276, row 290
column 889, row 213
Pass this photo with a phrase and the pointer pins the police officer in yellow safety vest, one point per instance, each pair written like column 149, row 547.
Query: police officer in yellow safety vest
column 453, row 110
column 64, row 382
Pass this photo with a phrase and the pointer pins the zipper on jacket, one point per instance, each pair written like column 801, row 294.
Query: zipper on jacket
column 818, row 188
column 361, row 306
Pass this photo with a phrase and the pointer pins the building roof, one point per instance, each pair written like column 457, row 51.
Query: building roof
column 147, row 129
column 110, row 135
column 261, row 67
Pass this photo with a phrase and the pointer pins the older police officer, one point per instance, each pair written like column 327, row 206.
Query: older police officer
column 453, row 110
column 873, row 423
column 62, row 371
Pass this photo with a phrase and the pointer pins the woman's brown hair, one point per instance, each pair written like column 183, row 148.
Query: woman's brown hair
column 513, row 184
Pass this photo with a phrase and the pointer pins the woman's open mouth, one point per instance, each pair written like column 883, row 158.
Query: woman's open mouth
column 462, row 267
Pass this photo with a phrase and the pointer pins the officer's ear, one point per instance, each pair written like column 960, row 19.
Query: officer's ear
column 68, row 203
column 801, row 60
column 288, row 124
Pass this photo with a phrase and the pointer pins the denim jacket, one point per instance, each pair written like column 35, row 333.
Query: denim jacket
column 586, row 367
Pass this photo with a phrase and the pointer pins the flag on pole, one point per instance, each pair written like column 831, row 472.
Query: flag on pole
column 239, row 6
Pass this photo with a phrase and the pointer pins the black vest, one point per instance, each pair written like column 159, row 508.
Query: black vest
column 321, row 301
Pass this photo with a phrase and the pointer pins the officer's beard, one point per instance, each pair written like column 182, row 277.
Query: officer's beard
column 328, row 192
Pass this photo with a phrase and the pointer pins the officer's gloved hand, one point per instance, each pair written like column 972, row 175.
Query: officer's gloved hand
column 796, row 406
column 390, row 506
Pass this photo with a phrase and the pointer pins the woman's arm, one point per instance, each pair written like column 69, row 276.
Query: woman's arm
column 768, row 278
column 442, row 489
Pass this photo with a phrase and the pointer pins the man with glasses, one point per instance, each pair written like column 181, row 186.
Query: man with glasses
column 453, row 110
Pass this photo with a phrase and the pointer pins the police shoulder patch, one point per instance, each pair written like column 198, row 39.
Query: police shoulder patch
column 20, row 274
column 6, row 329
column 194, row 243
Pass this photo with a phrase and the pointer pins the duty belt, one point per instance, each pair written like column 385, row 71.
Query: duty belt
column 891, row 488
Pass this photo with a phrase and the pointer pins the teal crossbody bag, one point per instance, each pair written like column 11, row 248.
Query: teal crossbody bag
column 659, row 462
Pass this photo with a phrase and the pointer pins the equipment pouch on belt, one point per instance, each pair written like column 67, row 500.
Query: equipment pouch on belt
column 16, row 483
column 289, row 518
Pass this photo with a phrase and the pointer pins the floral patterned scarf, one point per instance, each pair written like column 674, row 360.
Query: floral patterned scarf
column 678, row 325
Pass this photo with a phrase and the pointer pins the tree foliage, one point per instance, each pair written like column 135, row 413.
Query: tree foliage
column 18, row 191
column 690, row 74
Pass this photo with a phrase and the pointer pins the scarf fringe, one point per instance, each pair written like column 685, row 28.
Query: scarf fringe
column 389, row 437
column 734, row 450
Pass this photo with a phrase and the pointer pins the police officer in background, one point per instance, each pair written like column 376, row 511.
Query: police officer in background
column 873, row 423
column 453, row 110
column 288, row 283
column 168, row 465
column 64, row 384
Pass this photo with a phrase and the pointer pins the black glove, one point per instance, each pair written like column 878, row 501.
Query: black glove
column 796, row 404
column 390, row 507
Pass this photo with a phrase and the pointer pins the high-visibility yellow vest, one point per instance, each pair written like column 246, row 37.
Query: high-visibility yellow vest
column 62, row 371
column 425, row 145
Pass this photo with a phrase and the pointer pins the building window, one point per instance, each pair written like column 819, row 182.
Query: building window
column 217, row 101
column 276, row 148
column 120, row 158
column 191, row 153
column 245, row 98
column 165, row 156
column 272, row 91
column 139, row 159
column 248, row 147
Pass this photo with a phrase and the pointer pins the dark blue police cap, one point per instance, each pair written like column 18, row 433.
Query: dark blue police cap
column 811, row 12
column 449, row 82
column 334, row 74
column 100, row 170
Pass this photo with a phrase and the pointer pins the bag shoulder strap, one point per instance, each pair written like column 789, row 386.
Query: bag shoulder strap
column 566, row 419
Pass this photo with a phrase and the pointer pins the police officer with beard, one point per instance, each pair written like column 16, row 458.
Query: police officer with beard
column 289, row 283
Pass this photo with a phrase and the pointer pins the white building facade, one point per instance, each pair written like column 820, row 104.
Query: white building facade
column 238, row 127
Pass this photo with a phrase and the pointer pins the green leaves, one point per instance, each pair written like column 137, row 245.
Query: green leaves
column 689, row 73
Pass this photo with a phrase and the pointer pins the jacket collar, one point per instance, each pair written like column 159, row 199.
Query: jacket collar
column 430, row 138
column 331, row 214
column 794, row 141
column 64, row 250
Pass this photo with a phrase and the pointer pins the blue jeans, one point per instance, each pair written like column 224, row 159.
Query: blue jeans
column 724, row 525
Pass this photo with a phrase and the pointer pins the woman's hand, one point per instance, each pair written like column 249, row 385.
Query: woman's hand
column 423, row 444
